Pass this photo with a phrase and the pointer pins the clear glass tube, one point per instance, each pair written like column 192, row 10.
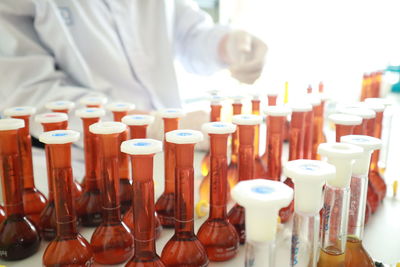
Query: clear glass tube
column 259, row 254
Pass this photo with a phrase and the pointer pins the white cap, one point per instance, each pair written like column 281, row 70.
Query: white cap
column 342, row 156
column 308, row 176
column 313, row 99
column 375, row 106
column 278, row 111
column 184, row 137
column 51, row 117
column 345, row 119
column 323, row 96
column 60, row 105
column 59, row 137
column 138, row 119
column 11, row 124
column 384, row 101
column 141, row 146
column 108, row 127
column 120, row 106
column 237, row 99
column 262, row 200
column 19, row 111
column 273, row 93
column 363, row 112
column 300, row 107
column 93, row 100
column 369, row 144
column 90, row 112
column 247, row 119
column 255, row 95
column 172, row 113
column 218, row 127
column 216, row 100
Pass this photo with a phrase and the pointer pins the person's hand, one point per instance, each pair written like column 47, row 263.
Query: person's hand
column 245, row 55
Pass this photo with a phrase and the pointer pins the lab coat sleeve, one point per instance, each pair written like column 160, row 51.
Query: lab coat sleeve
column 197, row 38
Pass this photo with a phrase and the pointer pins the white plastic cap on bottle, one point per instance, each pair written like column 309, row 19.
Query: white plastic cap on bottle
column 342, row 156
column 172, row 113
column 369, row 144
column 141, row 146
column 60, row 105
column 184, row 137
column 218, row 127
column 300, row 106
column 363, row 112
column 345, row 119
column 313, row 99
column 262, row 200
column 237, row 99
column 107, row 127
column 272, row 93
column 52, row 117
column 277, row 111
column 375, row 106
column 308, row 176
column 91, row 100
column 11, row 124
column 216, row 100
column 247, row 119
column 120, row 106
column 138, row 119
column 19, row 111
column 90, row 113
column 384, row 101
column 59, row 137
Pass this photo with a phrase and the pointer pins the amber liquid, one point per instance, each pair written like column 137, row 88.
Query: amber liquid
column 331, row 257
column 260, row 169
column 356, row 255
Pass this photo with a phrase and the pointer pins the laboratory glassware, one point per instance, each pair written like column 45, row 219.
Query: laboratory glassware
column 262, row 200
column 315, row 101
column 318, row 125
column 217, row 234
column 112, row 241
column 93, row 101
column 88, row 206
column 344, row 124
column 356, row 255
column 62, row 106
column 69, row 248
column 260, row 168
column 184, row 248
column 165, row 203
column 335, row 210
column 246, row 125
column 34, row 200
column 272, row 98
column 141, row 153
column 19, row 237
column 2, row 210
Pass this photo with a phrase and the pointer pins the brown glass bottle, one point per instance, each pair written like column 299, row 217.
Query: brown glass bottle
column 233, row 165
column 260, row 168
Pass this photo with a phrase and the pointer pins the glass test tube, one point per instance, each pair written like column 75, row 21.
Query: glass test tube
column 119, row 110
column 260, row 168
column 296, row 145
column 246, row 125
column 344, row 124
column 165, row 203
column 88, row 206
column 142, row 152
column 336, row 203
column 19, row 238
column 184, row 249
column 309, row 177
column 112, row 241
column 217, row 234
column 69, row 248
column 356, row 255
column 47, row 221
column 276, row 118
column 262, row 199
column 34, row 200
column 315, row 101
column 93, row 101
column 138, row 130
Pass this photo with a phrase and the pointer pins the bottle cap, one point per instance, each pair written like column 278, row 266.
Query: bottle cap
column 369, row 144
column 216, row 100
column 60, row 105
column 141, row 146
column 300, row 107
column 120, row 106
column 345, row 119
column 255, row 95
column 218, row 127
column 11, row 124
column 184, row 137
column 93, row 100
column 384, row 101
column 247, row 119
column 172, row 113
column 278, row 111
column 262, row 200
column 363, row 112
column 59, row 137
column 138, row 119
column 51, row 117
column 313, row 99
column 308, row 176
column 273, row 93
column 375, row 106
column 108, row 127
column 342, row 156
column 90, row 112
column 19, row 111
column 323, row 96
column 237, row 99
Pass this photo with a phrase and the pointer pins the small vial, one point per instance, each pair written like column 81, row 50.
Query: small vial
column 336, row 203
column 93, row 101
column 47, row 221
column 318, row 125
column 88, row 206
column 272, row 98
column 142, row 152
column 119, row 110
column 62, row 106
column 260, row 168
column 344, row 124
column 246, row 125
column 309, row 177
column 262, row 200
column 184, row 249
column 356, row 255
column 310, row 123
column 138, row 127
column 296, row 145
column 217, row 234
column 112, row 241
column 276, row 118
column 34, row 200
column 165, row 203
column 69, row 248
column 19, row 238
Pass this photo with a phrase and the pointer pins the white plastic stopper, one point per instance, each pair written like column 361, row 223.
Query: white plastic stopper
column 216, row 100
column 184, row 137
column 120, row 106
column 363, row 112
column 93, row 100
column 345, row 119
column 218, row 127
column 60, row 105
column 375, row 106
column 300, row 107
column 90, row 112
column 108, row 127
column 138, row 120
column 237, row 99
column 52, row 117
column 384, row 101
column 59, row 137
column 172, row 113
column 278, row 111
column 247, row 119
column 141, row 146
column 313, row 99
column 19, row 111
column 11, row 124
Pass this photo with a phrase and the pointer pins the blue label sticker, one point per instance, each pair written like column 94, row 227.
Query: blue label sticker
column 142, row 144
column 120, row 105
column 137, row 117
column 19, row 109
column 171, row 111
column 263, row 190
column 184, row 134
column 246, row 117
column 60, row 103
column 59, row 134
column 219, row 125
column 360, row 139
column 90, row 110
column 310, row 167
